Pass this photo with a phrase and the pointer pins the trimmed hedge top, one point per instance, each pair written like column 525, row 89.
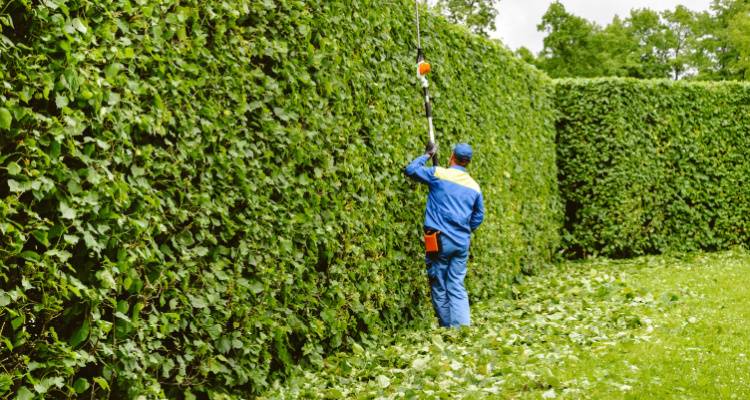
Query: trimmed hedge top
column 653, row 166
column 200, row 194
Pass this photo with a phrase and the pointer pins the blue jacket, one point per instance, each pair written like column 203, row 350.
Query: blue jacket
column 454, row 205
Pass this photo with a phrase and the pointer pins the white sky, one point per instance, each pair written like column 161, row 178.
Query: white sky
column 517, row 20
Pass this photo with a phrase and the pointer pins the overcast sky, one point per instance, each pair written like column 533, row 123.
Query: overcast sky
column 516, row 24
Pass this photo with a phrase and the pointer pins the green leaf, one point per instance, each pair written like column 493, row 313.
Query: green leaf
column 6, row 382
column 80, row 334
column 41, row 236
column 18, row 187
column 113, row 98
column 5, row 118
column 383, row 381
column 26, row 94
column 7, row 40
column 61, row 101
column 30, row 255
column 256, row 287
column 198, row 301
column 112, row 70
column 66, row 211
column 224, row 345
column 24, row 394
column 102, row 383
column 420, row 363
column 45, row 384
column 123, row 317
column 106, row 279
column 71, row 239
column 17, row 321
column 61, row 255
column 81, row 385
column 14, row 168
column 79, row 26
column 8, row 344
column 74, row 187
column 91, row 242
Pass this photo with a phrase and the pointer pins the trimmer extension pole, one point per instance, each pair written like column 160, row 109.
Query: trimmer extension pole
column 423, row 68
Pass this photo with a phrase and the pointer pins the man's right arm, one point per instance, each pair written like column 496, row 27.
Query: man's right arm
column 477, row 216
column 417, row 170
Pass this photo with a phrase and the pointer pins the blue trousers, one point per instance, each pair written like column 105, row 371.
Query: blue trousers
column 449, row 296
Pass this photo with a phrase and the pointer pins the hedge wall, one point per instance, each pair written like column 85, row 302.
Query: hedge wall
column 653, row 166
column 198, row 194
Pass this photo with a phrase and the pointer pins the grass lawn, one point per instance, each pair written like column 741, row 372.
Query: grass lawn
column 649, row 328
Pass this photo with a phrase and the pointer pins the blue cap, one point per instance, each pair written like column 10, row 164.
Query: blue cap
column 463, row 152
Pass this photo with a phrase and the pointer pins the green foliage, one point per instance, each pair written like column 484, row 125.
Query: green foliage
column 724, row 45
column 738, row 38
column 477, row 15
column 525, row 55
column 655, row 327
column 645, row 38
column 653, row 166
column 527, row 347
column 680, row 38
column 676, row 44
column 570, row 47
column 199, row 195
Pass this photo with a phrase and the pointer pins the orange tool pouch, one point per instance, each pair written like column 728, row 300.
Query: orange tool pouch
column 432, row 244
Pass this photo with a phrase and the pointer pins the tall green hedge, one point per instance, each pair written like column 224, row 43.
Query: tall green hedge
column 653, row 166
column 198, row 194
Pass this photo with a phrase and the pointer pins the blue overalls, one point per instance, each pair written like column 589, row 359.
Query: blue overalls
column 455, row 208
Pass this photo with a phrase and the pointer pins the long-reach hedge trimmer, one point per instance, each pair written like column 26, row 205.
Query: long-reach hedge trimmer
column 423, row 68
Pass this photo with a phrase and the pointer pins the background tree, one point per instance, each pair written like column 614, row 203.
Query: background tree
column 738, row 38
column 676, row 44
column 478, row 15
column 526, row 55
column 621, row 52
column 648, row 32
column 570, row 47
column 679, row 32
column 724, row 42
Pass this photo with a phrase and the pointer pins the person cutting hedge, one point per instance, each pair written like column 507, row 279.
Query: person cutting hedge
column 455, row 209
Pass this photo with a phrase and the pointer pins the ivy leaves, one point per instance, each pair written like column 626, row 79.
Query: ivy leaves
column 198, row 197
column 515, row 348
column 652, row 166
column 5, row 118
